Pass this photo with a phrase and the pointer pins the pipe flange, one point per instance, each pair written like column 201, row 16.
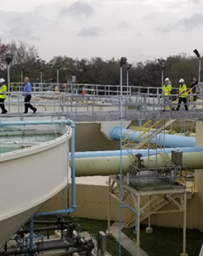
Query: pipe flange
column 165, row 159
column 132, row 158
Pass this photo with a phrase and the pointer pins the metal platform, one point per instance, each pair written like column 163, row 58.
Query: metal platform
column 111, row 115
column 146, row 203
column 103, row 103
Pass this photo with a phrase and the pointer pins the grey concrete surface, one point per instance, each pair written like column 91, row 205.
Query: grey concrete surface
column 126, row 242
column 114, row 115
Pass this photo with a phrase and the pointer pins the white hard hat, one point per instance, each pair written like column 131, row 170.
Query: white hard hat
column 2, row 80
column 167, row 79
column 181, row 80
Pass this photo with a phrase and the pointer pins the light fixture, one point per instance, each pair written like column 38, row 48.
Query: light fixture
column 197, row 53
column 129, row 66
column 123, row 60
column 9, row 58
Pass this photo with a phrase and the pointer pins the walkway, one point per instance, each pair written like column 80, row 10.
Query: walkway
column 110, row 115
column 127, row 243
column 138, row 103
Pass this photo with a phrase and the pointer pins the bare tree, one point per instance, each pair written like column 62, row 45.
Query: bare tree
column 22, row 52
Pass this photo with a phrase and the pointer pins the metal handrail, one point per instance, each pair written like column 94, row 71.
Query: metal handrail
column 93, row 89
column 143, row 133
column 64, row 102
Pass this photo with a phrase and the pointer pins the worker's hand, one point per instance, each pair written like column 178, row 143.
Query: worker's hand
column 25, row 96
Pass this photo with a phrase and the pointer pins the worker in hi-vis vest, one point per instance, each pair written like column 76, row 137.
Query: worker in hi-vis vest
column 182, row 94
column 167, row 88
column 56, row 89
column 3, row 90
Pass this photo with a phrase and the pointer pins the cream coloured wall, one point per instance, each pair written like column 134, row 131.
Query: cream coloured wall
column 199, row 178
column 90, row 138
column 92, row 201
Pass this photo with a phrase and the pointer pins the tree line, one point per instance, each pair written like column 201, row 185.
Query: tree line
column 95, row 70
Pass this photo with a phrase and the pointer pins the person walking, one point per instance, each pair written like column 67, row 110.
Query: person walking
column 3, row 90
column 27, row 96
column 182, row 94
column 167, row 88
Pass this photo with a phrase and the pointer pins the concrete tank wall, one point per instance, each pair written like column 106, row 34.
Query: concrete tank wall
column 90, row 138
column 29, row 177
column 91, row 200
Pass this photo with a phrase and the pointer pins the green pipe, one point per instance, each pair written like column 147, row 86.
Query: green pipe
column 104, row 166
column 192, row 161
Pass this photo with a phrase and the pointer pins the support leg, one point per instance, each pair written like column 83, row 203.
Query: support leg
column 108, row 232
column 184, row 225
column 138, row 226
column 149, row 229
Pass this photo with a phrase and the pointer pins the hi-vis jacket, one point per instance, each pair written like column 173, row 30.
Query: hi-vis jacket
column 182, row 89
column 3, row 88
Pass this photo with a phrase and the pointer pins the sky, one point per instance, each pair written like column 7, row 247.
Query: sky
column 137, row 29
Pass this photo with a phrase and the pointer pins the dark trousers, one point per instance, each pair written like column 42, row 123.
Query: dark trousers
column 184, row 100
column 2, row 106
column 27, row 103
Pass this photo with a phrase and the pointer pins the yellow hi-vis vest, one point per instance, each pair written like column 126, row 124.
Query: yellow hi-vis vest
column 166, row 89
column 182, row 89
column 3, row 88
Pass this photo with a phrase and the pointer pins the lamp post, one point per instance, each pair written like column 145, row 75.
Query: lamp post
column 21, row 75
column 162, row 74
column 162, row 63
column 9, row 58
column 127, row 82
column 57, row 76
column 199, row 73
column 123, row 61
column 41, row 74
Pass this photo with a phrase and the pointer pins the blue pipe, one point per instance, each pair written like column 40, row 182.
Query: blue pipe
column 36, row 236
column 31, row 233
column 144, row 152
column 162, row 139
column 19, row 242
column 73, row 206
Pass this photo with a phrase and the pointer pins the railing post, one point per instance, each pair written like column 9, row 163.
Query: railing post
column 138, row 226
column 109, row 209
column 18, row 104
column 184, row 224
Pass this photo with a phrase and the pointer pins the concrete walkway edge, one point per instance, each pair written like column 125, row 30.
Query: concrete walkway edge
column 126, row 242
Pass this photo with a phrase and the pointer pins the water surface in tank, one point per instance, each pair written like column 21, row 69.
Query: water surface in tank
column 10, row 143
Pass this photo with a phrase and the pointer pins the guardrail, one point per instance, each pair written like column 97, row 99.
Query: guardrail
column 148, row 102
column 97, row 107
column 92, row 89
